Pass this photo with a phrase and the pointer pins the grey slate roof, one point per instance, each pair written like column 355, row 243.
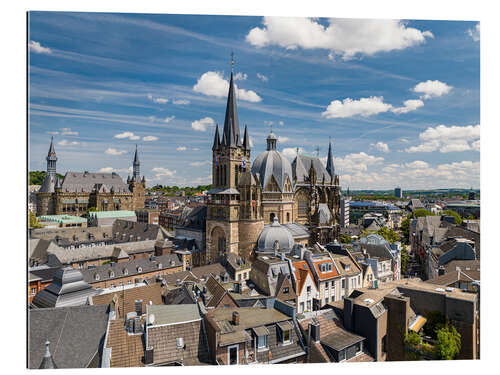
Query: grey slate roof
column 75, row 334
column 133, row 267
column 86, row 181
column 301, row 165
column 273, row 163
column 48, row 184
column 67, row 289
column 173, row 314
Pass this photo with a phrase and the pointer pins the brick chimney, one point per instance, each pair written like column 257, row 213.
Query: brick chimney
column 236, row 318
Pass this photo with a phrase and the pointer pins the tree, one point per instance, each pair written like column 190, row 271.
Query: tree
column 404, row 259
column 420, row 212
column 448, row 342
column 388, row 234
column 33, row 221
column 458, row 218
column 345, row 238
column 405, row 228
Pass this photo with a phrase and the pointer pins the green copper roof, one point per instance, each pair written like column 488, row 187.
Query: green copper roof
column 63, row 218
column 111, row 214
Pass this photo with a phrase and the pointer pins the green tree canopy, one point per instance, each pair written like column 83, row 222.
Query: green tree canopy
column 458, row 218
column 345, row 238
column 420, row 212
column 388, row 234
column 448, row 342
column 33, row 221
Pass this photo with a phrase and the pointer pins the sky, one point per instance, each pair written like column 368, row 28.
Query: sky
column 399, row 99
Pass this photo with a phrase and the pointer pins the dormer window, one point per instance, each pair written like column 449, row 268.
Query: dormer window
column 111, row 274
column 125, row 271
column 285, row 290
column 261, row 337
column 139, row 269
column 97, row 277
column 285, row 329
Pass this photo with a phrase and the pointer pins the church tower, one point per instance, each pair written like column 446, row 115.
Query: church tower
column 230, row 158
column 137, row 185
column 45, row 200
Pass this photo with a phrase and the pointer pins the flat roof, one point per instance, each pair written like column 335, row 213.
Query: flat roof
column 172, row 314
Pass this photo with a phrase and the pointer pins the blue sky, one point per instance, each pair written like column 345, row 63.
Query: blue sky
column 399, row 99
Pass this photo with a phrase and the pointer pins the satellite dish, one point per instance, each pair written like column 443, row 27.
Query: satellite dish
column 151, row 318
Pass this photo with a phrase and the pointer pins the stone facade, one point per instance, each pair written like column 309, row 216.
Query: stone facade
column 77, row 192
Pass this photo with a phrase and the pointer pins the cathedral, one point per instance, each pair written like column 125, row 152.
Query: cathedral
column 77, row 192
column 268, row 205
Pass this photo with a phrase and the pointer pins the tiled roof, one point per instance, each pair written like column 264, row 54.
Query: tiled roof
column 126, row 350
column 85, row 181
column 163, row 341
column 217, row 291
column 215, row 269
column 125, row 299
column 325, row 275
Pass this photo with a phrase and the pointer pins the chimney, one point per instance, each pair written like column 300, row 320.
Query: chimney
column 348, row 313
column 315, row 332
column 441, row 271
column 149, row 355
column 236, row 318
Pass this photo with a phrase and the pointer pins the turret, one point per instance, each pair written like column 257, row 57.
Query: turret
column 47, row 361
column 216, row 144
column 51, row 159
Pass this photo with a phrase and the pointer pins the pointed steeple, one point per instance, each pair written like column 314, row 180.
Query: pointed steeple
column 216, row 138
column 231, row 126
column 246, row 140
column 47, row 361
column 52, row 152
column 330, row 168
column 136, row 166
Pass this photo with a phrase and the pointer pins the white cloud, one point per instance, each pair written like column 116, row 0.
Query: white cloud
column 37, row 48
column 199, row 163
column 409, row 105
column 281, row 123
column 201, row 125
column 168, row 119
column 381, row 146
column 181, row 148
column 283, row 139
column 149, row 138
column 53, row 133
column 430, row 89
column 213, row 84
column 344, row 37
column 349, row 107
column 291, row 152
column 68, row 131
column 181, row 102
column 65, row 142
column 356, row 162
column 475, row 33
column 240, row 76
column 417, row 164
column 157, row 100
column 262, row 77
column 196, row 149
column 162, row 172
column 203, row 180
column 266, row 122
column 128, row 135
column 448, row 139
column 251, row 141
column 111, row 169
column 114, row 151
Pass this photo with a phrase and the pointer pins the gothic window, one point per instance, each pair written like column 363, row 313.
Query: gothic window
column 288, row 217
column 236, row 173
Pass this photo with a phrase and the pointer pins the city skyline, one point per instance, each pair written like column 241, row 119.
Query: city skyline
column 402, row 111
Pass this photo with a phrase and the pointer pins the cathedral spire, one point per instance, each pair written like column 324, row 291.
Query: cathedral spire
column 136, row 166
column 231, row 126
column 216, row 138
column 329, row 161
column 246, row 140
